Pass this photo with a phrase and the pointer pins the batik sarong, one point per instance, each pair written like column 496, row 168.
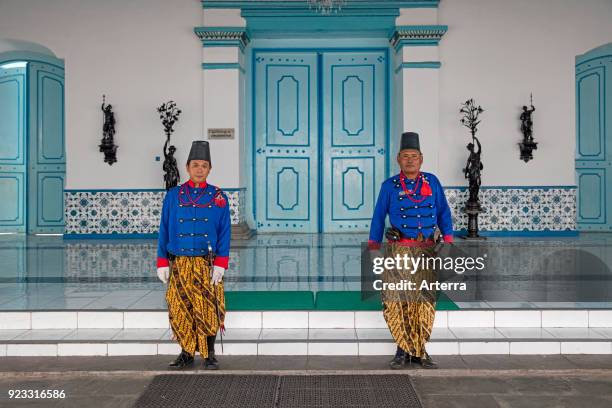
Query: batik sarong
column 192, row 306
column 410, row 313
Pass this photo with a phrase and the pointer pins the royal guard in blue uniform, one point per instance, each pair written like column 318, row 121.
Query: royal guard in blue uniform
column 192, row 257
column 418, row 213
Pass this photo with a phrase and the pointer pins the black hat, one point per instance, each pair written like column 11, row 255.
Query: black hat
column 199, row 151
column 410, row 140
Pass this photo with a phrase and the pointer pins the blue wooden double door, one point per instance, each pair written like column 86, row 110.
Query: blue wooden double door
column 320, row 131
column 594, row 139
column 32, row 152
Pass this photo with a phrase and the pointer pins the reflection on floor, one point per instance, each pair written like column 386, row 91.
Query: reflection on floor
column 49, row 273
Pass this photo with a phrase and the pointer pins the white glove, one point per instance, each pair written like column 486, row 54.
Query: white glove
column 217, row 275
column 163, row 273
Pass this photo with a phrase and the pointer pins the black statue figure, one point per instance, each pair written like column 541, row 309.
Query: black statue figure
column 108, row 146
column 472, row 171
column 527, row 146
column 169, row 113
column 473, row 167
column 171, row 176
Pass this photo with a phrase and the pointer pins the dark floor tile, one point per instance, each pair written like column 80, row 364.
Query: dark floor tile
column 555, row 386
column 236, row 362
column 373, row 362
column 458, row 401
column 281, row 363
column 450, row 362
column 601, row 386
column 490, row 362
column 591, row 361
column 335, row 363
column 100, row 402
column 521, row 401
column 119, row 386
column 460, row 385
column 544, row 362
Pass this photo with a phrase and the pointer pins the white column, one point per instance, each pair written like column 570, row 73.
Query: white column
column 421, row 105
column 418, row 67
column 224, row 38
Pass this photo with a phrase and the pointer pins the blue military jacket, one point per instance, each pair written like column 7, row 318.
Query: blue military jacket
column 187, row 229
column 427, row 210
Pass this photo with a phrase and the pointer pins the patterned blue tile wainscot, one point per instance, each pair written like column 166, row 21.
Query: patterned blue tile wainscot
column 126, row 211
column 524, row 209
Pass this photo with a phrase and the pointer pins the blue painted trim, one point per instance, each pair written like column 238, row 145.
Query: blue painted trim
column 373, row 140
column 20, row 181
column 301, row 4
column 421, row 64
column 213, row 36
column 373, row 160
column 221, row 43
column 222, row 65
column 277, row 106
column 57, row 175
column 20, row 78
column 119, row 190
column 416, row 35
column 297, row 105
column 136, row 190
column 582, row 220
column 352, row 16
column 361, row 173
column 268, row 218
column 297, row 189
column 520, row 233
column 225, row 29
column 358, row 131
column 506, row 188
column 425, row 27
column 390, row 116
column 416, row 43
column 598, row 52
column 288, row 25
column 30, row 56
column 252, row 78
column 600, row 73
column 51, row 76
column 320, row 130
column 111, row 236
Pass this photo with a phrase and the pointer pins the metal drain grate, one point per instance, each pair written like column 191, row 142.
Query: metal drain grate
column 355, row 391
column 270, row 391
column 203, row 391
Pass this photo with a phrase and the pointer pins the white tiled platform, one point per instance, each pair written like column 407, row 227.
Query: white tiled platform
column 352, row 342
column 305, row 319
column 308, row 333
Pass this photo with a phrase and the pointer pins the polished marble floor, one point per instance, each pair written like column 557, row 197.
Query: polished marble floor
column 51, row 273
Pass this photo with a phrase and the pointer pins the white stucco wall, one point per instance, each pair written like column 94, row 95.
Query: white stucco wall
column 140, row 53
column 143, row 52
column 497, row 52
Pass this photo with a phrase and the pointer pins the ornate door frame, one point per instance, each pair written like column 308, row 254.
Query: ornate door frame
column 319, row 218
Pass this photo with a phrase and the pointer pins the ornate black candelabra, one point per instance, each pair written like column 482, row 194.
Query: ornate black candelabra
column 527, row 146
column 473, row 167
column 169, row 113
column 107, row 146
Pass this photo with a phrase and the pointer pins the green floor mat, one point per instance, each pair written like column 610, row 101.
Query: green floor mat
column 305, row 300
column 351, row 300
column 273, row 300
